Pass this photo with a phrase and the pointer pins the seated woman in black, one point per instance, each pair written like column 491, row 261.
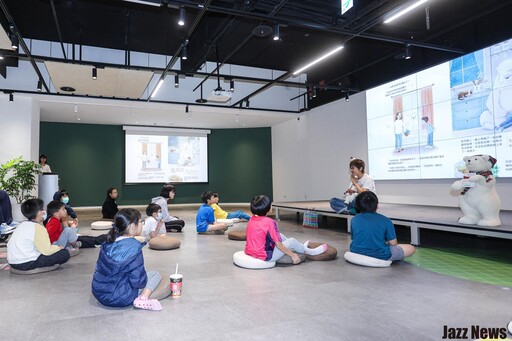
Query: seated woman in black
column 109, row 208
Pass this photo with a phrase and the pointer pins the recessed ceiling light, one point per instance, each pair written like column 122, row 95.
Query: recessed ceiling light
column 67, row 88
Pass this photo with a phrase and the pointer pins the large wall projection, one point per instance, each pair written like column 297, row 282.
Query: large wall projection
column 422, row 125
column 165, row 155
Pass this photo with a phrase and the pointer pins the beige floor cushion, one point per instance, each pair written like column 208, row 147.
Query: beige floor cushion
column 164, row 242
column 101, row 225
column 237, row 235
column 34, row 271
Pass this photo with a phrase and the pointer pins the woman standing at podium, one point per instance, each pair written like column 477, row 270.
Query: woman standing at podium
column 45, row 168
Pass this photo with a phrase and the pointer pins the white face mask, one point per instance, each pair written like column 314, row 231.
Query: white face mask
column 159, row 216
column 45, row 215
column 65, row 200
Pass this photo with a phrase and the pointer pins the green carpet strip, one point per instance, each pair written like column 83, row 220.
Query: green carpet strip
column 482, row 267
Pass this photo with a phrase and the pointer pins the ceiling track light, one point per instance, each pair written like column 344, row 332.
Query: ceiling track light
column 186, row 109
column 11, row 97
column 176, row 80
column 276, row 32
column 347, row 97
column 181, row 16
column 314, row 92
column 247, row 103
column 94, row 73
column 407, row 54
column 184, row 53
column 39, row 85
column 76, row 108
column 14, row 41
column 328, row 54
column 232, row 85
column 404, row 11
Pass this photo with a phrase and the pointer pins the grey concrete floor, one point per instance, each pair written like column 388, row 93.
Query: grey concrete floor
column 331, row 300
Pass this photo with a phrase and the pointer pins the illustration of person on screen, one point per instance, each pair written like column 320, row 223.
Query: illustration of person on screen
column 430, row 133
column 398, row 126
column 144, row 160
column 186, row 155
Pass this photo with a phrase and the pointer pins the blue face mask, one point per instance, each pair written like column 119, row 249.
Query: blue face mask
column 159, row 216
column 65, row 200
column 45, row 215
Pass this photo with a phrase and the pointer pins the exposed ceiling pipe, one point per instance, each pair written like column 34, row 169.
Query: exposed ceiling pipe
column 58, row 28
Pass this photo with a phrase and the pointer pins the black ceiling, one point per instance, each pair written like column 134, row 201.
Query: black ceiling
column 222, row 30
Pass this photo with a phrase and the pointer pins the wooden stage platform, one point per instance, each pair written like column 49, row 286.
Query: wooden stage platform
column 416, row 217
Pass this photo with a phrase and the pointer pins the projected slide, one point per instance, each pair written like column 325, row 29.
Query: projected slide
column 165, row 155
column 422, row 125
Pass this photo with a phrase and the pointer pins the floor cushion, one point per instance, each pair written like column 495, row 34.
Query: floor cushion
column 209, row 233
column 229, row 221
column 244, row 261
column 163, row 289
column 34, row 271
column 366, row 261
column 287, row 260
column 237, row 235
column 101, row 225
column 164, row 243
column 330, row 254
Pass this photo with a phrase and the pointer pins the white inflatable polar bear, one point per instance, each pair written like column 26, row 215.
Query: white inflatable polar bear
column 480, row 204
column 499, row 102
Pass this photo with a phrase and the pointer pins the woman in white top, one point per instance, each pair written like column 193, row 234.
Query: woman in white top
column 45, row 168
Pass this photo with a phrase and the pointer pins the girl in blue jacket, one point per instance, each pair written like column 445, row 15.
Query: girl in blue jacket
column 120, row 278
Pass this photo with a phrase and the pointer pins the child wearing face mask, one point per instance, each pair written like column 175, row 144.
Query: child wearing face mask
column 63, row 196
column 154, row 224
column 29, row 247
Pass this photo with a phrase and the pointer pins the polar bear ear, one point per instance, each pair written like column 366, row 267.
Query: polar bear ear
column 492, row 161
column 466, row 158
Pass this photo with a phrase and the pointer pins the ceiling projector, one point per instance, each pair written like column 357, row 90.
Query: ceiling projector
column 219, row 96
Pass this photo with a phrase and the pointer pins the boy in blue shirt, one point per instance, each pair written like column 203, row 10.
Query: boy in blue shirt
column 373, row 234
column 205, row 219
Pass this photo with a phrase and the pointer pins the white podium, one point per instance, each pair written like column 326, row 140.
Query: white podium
column 48, row 185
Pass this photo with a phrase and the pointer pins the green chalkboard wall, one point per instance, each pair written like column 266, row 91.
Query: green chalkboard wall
column 90, row 158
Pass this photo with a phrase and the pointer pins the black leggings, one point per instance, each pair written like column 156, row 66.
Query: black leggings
column 175, row 225
column 59, row 257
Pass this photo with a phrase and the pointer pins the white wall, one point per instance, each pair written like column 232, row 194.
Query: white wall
column 19, row 132
column 310, row 160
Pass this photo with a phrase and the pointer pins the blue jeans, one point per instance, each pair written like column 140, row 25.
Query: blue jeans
column 398, row 141
column 238, row 214
column 430, row 140
column 338, row 205
column 290, row 243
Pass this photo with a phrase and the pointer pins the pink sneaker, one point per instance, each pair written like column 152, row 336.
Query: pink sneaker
column 142, row 302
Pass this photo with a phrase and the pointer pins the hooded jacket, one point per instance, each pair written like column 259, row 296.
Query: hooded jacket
column 119, row 273
column 71, row 212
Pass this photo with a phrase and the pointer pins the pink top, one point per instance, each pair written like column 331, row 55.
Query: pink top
column 262, row 235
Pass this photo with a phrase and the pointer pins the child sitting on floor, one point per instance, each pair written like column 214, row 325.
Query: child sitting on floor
column 264, row 240
column 62, row 236
column 120, row 278
column 205, row 219
column 219, row 213
column 373, row 234
column 154, row 224
column 63, row 196
column 29, row 247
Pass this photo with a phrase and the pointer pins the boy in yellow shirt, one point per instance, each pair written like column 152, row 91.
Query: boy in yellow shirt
column 219, row 213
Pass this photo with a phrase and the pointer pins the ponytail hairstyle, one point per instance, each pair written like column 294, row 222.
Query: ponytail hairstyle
column 122, row 221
